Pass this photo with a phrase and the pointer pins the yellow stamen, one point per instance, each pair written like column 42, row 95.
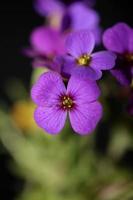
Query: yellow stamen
column 67, row 102
column 84, row 60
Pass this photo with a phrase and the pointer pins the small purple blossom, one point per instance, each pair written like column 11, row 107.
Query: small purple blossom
column 54, row 101
column 81, row 61
column 49, row 7
column 119, row 39
column 46, row 43
column 52, row 7
column 78, row 16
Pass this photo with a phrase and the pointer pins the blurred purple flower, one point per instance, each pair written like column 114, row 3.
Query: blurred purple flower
column 81, row 61
column 46, row 43
column 119, row 39
column 49, row 7
column 78, row 16
column 70, row 18
column 54, row 101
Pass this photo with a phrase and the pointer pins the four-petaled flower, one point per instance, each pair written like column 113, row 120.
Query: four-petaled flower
column 46, row 43
column 75, row 62
column 81, row 61
column 119, row 39
column 54, row 101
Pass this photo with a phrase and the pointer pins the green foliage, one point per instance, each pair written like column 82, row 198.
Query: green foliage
column 66, row 166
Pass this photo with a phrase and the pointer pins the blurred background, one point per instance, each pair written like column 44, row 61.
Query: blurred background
column 36, row 166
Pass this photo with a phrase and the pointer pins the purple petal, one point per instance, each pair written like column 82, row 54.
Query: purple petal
column 85, row 117
column 57, row 64
column 48, row 7
column 68, row 64
column 130, row 44
column 82, row 17
column 103, row 60
column 82, row 72
column 83, row 90
column 122, row 76
column 79, row 43
column 51, row 119
column 45, row 62
column 47, row 41
column 117, row 38
column 97, row 31
column 42, row 62
column 47, row 88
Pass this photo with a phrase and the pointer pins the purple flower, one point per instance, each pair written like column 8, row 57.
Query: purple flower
column 46, row 43
column 52, row 7
column 54, row 101
column 81, row 61
column 75, row 17
column 49, row 7
column 78, row 16
column 119, row 39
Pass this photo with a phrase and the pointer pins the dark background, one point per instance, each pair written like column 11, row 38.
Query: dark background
column 17, row 19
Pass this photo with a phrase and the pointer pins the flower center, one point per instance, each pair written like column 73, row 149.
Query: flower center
column 129, row 57
column 84, row 60
column 67, row 102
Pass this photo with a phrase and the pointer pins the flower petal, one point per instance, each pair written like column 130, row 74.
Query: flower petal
column 82, row 17
column 123, row 76
column 116, row 38
column 47, row 88
column 97, row 31
column 86, row 73
column 67, row 65
column 47, row 41
column 85, row 117
column 48, row 7
column 130, row 44
column 79, row 43
column 51, row 119
column 83, row 90
column 42, row 63
column 103, row 60
column 82, row 72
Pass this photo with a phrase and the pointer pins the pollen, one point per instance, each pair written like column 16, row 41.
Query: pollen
column 84, row 60
column 67, row 102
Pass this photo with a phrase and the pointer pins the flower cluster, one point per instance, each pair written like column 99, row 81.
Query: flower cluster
column 65, row 47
